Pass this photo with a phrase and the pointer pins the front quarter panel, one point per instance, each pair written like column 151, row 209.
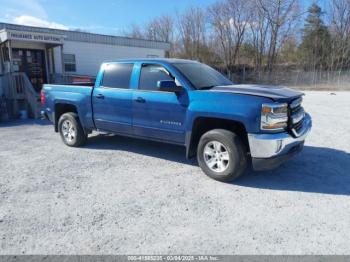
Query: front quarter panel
column 241, row 108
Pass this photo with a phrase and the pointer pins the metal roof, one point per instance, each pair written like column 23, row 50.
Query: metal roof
column 91, row 37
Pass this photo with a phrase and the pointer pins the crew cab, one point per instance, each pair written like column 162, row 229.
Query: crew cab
column 226, row 126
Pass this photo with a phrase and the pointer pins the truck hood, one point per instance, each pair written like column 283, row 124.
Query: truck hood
column 276, row 93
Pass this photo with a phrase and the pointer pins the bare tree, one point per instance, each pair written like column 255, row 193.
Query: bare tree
column 340, row 17
column 135, row 31
column 259, row 33
column 280, row 14
column 259, row 28
column 340, row 30
column 192, row 33
column 162, row 29
column 229, row 20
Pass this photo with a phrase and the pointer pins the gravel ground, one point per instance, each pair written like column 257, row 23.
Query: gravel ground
column 125, row 196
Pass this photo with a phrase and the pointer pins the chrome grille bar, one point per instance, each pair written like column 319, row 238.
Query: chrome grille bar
column 297, row 115
column 296, row 103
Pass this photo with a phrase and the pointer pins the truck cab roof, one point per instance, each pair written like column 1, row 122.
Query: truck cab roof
column 153, row 60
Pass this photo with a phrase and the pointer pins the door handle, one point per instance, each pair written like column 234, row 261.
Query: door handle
column 140, row 100
column 100, row 96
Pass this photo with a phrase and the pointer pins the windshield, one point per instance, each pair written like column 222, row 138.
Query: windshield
column 202, row 76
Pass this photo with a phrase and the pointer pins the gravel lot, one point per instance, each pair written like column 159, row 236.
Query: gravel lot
column 124, row 196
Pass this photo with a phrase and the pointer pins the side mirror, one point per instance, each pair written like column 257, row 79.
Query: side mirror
column 168, row 86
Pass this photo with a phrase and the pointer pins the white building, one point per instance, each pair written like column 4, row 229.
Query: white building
column 34, row 56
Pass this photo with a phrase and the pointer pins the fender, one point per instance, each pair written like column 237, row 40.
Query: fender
column 238, row 112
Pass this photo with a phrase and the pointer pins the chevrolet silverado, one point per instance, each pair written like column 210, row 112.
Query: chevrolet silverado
column 187, row 103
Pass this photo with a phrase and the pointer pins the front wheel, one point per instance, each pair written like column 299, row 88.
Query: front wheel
column 221, row 155
column 71, row 130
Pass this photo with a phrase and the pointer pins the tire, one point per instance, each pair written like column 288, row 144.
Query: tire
column 71, row 131
column 222, row 155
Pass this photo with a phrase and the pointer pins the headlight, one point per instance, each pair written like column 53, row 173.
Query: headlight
column 274, row 117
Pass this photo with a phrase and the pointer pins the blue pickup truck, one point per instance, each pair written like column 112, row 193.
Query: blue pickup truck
column 187, row 103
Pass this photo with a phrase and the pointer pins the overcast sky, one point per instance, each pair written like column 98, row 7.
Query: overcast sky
column 104, row 16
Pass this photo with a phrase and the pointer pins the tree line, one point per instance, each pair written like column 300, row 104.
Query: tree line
column 260, row 35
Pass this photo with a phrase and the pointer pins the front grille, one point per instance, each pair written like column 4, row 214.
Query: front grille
column 295, row 109
column 296, row 116
column 296, row 104
column 298, row 126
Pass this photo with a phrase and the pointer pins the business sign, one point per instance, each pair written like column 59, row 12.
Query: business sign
column 31, row 36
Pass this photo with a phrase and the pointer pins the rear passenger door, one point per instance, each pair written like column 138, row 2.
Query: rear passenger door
column 112, row 100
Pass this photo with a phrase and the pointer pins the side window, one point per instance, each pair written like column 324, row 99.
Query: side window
column 117, row 75
column 151, row 74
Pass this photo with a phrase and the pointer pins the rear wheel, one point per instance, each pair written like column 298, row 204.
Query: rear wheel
column 221, row 155
column 71, row 130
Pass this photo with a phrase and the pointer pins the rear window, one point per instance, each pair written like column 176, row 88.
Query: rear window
column 117, row 75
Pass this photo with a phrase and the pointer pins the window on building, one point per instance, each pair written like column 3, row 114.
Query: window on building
column 117, row 75
column 69, row 63
column 151, row 74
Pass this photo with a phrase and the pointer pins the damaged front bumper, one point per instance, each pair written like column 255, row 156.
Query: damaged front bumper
column 268, row 151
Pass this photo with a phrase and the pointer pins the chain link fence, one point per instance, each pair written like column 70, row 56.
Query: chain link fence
column 315, row 80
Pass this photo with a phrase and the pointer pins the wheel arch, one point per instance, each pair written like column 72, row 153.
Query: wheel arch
column 202, row 125
column 62, row 108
